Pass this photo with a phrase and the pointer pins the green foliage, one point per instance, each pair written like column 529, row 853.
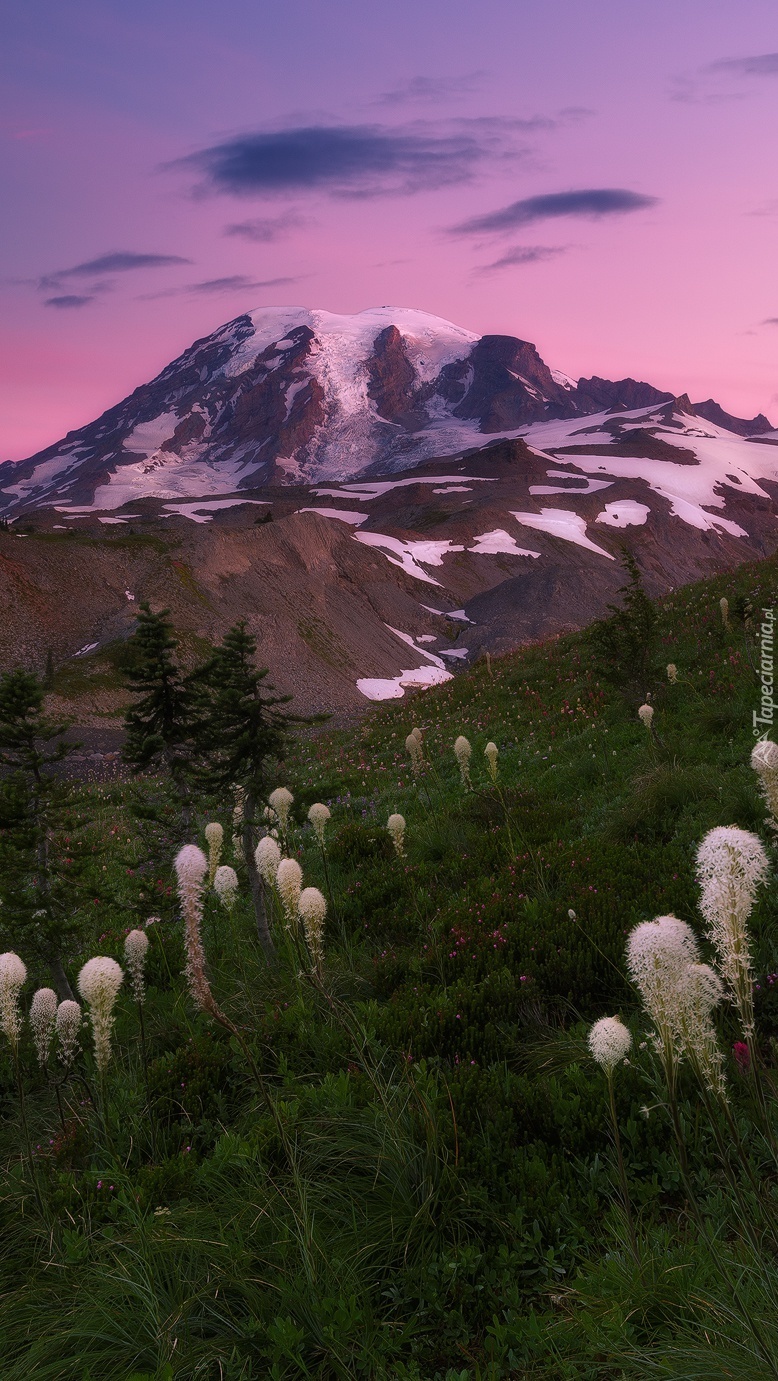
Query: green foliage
column 419, row 1186
column 623, row 646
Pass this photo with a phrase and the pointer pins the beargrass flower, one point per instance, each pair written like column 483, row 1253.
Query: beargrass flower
column 267, row 857
column 225, row 885
column 646, row 715
column 413, row 747
column 724, row 607
column 43, row 1018
column 462, row 753
column 12, row 977
column 701, row 991
column 609, row 1042
column 280, row 802
column 98, row 983
column 318, row 815
column 214, row 835
column 191, row 869
column 69, row 1022
column 490, row 753
column 136, row 947
column 731, row 864
column 672, row 673
column 396, row 827
column 658, row 954
column 764, row 760
column 312, row 909
column 289, row 882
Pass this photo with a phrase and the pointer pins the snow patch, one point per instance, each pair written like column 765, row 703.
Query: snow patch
column 147, row 437
column 408, row 554
column 624, row 513
column 497, row 543
column 343, row 515
column 560, row 522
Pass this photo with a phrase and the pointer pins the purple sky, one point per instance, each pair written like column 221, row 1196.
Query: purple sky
column 598, row 178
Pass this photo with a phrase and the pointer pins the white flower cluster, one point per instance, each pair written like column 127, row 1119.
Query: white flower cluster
column 225, row 885
column 267, row 856
column 609, row 1042
column 312, row 909
column 289, row 883
column 319, row 815
column 646, row 715
column 491, row 755
column 672, row 673
column 679, row 994
column 13, row 975
column 214, row 835
column 731, row 864
column 764, row 760
column 69, row 1023
column 98, row 983
column 396, row 827
column 462, row 753
column 136, row 947
column 191, row 869
column 43, row 1019
column 413, row 746
column 280, row 802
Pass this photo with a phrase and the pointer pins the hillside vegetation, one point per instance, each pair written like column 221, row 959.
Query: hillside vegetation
column 396, row 1160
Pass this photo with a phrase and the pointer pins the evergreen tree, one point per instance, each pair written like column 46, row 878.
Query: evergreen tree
column 246, row 733
column 162, row 726
column 36, row 879
column 623, row 645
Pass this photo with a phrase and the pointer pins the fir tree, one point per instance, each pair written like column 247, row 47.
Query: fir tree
column 162, row 726
column 36, row 878
column 246, row 733
column 623, row 645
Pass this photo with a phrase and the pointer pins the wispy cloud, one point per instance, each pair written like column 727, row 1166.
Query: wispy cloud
column 267, row 230
column 68, row 300
column 761, row 65
column 770, row 321
column 233, row 282
column 591, row 203
column 119, row 261
column 236, row 282
column 524, row 254
column 432, row 90
column 353, row 160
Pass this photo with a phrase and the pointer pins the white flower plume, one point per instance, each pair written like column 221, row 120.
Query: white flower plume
column 13, row 975
column 98, row 983
column 396, row 827
column 609, row 1042
column 43, row 1017
column 267, row 856
column 136, row 947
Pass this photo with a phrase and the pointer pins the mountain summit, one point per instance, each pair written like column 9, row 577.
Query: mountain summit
column 289, row 395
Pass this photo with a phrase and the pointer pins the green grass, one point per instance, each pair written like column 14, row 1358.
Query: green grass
column 431, row 1193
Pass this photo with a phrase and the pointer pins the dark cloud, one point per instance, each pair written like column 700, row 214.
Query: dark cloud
column 524, row 254
column 67, row 300
column 234, row 282
column 267, row 230
column 430, row 90
column 361, row 160
column 592, row 203
column 120, row 261
column 762, row 65
column 770, row 321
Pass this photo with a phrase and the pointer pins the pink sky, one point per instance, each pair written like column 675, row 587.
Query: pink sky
column 419, row 118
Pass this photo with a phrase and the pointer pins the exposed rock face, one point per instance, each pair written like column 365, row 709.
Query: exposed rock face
column 605, row 395
column 711, row 411
column 291, row 395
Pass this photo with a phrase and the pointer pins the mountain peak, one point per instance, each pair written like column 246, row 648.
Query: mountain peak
column 292, row 394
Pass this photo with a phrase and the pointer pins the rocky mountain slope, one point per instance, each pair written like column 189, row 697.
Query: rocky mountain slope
column 289, row 395
column 383, row 498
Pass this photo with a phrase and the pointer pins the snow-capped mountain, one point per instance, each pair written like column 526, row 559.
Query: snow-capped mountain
column 291, row 395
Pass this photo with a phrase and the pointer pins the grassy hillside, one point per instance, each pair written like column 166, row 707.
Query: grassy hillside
column 421, row 1185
